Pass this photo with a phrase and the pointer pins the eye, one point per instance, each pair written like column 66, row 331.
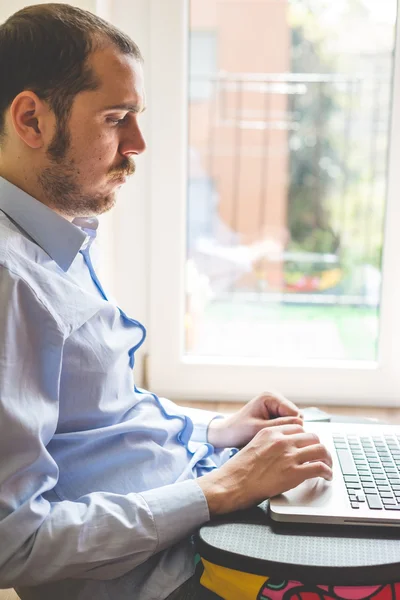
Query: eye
column 117, row 121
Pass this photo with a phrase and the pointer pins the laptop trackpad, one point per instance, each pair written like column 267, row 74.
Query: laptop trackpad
column 313, row 492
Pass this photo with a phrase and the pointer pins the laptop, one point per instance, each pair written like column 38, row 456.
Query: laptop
column 365, row 489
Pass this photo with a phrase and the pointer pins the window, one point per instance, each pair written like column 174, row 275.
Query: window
column 203, row 64
column 275, row 252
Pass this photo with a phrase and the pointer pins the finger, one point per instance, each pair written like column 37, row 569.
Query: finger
column 282, row 421
column 278, row 405
column 286, row 408
column 289, row 429
column 315, row 453
column 305, row 439
column 315, row 469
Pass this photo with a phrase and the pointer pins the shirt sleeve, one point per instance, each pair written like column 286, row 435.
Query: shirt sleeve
column 100, row 535
column 200, row 418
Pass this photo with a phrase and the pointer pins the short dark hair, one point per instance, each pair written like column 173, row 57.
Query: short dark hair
column 44, row 48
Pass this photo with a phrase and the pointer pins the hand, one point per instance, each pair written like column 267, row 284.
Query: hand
column 277, row 459
column 266, row 410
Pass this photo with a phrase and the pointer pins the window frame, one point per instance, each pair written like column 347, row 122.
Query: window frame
column 231, row 378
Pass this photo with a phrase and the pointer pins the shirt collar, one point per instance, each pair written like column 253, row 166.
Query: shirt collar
column 58, row 237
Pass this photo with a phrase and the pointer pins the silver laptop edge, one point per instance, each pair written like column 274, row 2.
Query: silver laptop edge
column 319, row 501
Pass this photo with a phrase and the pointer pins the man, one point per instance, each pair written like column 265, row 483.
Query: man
column 101, row 484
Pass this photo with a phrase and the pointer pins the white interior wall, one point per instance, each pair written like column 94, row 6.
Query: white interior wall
column 131, row 216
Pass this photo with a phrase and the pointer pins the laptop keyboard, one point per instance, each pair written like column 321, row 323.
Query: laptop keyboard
column 371, row 469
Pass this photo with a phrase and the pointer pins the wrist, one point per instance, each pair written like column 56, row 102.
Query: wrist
column 215, row 494
column 214, row 430
column 221, row 492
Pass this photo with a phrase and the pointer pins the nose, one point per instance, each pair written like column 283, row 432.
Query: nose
column 133, row 142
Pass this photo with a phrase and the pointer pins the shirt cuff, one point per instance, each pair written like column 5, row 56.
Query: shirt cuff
column 177, row 511
column 201, row 420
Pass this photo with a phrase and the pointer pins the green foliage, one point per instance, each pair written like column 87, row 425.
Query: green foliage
column 334, row 204
column 311, row 146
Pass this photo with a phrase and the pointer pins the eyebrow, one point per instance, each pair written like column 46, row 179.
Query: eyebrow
column 125, row 106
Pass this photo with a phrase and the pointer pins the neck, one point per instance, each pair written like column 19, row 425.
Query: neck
column 25, row 183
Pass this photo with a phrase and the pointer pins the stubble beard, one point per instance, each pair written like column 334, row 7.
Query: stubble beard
column 60, row 185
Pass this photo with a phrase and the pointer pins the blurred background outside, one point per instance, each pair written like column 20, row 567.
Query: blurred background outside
column 289, row 112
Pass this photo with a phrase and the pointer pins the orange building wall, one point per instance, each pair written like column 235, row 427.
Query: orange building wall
column 253, row 37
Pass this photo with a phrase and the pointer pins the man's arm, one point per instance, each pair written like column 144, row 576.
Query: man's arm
column 277, row 456
column 236, row 429
column 277, row 459
column 200, row 418
column 269, row 409
column 100, row 535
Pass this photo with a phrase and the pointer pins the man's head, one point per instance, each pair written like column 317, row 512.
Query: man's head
column 70, row 94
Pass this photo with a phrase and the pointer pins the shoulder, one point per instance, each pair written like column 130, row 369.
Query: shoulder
column 21, row 304
column 31, row 281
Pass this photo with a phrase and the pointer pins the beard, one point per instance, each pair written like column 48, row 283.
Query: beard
column 60, row 181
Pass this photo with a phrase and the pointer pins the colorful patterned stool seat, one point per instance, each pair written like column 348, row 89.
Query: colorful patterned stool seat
column 249, row 557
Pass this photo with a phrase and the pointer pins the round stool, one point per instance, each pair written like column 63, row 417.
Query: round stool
column 271, row 561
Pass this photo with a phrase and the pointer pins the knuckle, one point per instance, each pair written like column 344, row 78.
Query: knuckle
column 262, row 436
column 323, row 467
column 279, row 444
column 261, row 433
column 296, row 428
column 267, row 432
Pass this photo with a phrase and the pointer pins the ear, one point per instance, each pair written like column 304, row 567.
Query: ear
column 29, row 115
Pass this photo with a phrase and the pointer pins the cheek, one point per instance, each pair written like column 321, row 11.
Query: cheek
column 95, row 155
column 104, row 149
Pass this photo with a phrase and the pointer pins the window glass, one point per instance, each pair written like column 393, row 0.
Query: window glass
column 289, row 108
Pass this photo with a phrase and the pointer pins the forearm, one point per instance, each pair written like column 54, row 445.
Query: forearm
column 220, row 493
column 276, row 460
column 100, row 536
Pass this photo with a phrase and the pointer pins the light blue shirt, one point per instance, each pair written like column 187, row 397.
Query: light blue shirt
column 98, row 491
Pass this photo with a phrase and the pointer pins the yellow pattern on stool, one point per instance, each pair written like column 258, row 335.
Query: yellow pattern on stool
column 231, row 584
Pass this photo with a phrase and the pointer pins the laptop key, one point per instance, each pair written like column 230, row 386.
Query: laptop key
column 392, row 507
column 354, row 505
column 346, row 462
column 350, row 478
column 389, row 502
column 374, row 502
